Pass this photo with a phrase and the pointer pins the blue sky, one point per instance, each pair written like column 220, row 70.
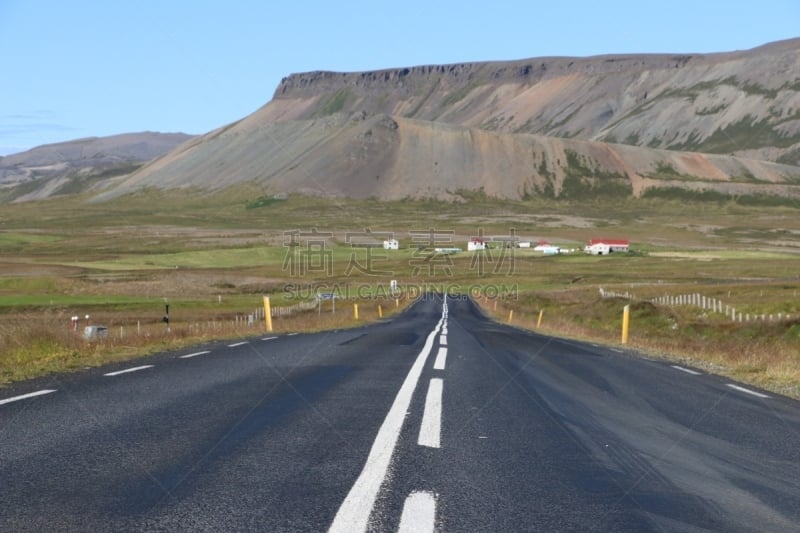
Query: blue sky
column 76, row 68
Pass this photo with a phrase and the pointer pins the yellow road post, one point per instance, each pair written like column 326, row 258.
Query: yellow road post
column 268, row 313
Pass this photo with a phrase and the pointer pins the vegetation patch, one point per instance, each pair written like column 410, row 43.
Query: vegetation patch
column 334, row 104
column 746, row 133
column 583, row 180
column 263, row 201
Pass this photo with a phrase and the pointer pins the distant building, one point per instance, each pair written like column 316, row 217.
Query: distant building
column 476, row 244
column 524, row 244
column 606, row 246
column 546, row 248
column 391, row 244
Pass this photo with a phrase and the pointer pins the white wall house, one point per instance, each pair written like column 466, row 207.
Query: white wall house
column 606, row 246
column 476, row 244
column 391, row 244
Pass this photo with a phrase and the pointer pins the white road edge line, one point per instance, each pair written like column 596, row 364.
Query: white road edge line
column 268, row 338
column 25, row 396
column 195, row 354
column 441, row 357
column 430, row 432
column 235, row 344
column 134, row 369
column 419, row 513
column 353, row 514
column 747, row 391
column 687, row 370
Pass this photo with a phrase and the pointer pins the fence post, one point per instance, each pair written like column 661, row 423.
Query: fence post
column 541, row 314
column 355, row 311
column 510, row 315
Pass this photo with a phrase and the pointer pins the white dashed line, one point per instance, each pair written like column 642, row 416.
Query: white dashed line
column 235, row 344
column 195, row 354
column 430, row 433
column 443, row 340
column 268, row 338
column 747, row 391
column 29, row 395
column 441, row 357
column 134, row 369
column 353, row 515
column 687, row 370
column 419, row 513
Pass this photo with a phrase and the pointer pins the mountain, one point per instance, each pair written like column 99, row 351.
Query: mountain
column 68, row 166
column 387, row 157
column 716, row 124
column 741, row 103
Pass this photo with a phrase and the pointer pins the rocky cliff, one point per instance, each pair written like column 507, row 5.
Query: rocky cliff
column 743, row 103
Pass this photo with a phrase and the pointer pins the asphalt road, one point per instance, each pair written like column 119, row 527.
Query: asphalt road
column 438, row 419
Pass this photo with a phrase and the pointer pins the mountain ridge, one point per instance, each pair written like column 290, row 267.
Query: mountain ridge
column 673, row 101
column 630, row 125
column 46, row 169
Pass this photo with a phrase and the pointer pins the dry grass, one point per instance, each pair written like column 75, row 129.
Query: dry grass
column 765, row 354
column 213, row 259
column 32, row 345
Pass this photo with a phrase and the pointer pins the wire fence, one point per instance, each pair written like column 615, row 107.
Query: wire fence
column 703, row 302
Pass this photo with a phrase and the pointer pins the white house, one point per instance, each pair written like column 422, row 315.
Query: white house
column 606, row 246
column 476, row 244
column 391, row 244
column 597, row 248
column 524, row 244
column 546, row 248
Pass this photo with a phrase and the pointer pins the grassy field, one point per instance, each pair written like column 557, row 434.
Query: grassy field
column 213, row 257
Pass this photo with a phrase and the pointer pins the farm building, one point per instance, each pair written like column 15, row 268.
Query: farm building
column 391, row 244
column 476, row 244
column 546, row 248
column 606, row 246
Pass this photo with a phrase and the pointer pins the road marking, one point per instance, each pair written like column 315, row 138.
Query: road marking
column 268, row 338
column 235, row 344
column 419, row 513
column 430, row 433
column 353, row 515
column 615, row 350
column 438, row 364
column 195, row 354
column 29, row 395
column 443, row 339
column 134, row 369
column 687, row 370
column 747, row 391
column 292, row 334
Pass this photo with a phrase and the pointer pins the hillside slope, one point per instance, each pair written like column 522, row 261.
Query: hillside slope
column 385, row 157
column 46, row 169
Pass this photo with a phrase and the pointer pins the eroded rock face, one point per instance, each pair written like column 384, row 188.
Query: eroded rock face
column 745, row 103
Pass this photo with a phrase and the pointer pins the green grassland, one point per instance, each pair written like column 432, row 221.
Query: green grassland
column 213, row 256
